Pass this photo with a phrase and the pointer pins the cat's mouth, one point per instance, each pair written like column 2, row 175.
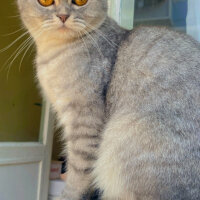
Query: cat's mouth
column 64, row 28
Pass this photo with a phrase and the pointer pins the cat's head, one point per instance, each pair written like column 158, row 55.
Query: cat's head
column 61, row 19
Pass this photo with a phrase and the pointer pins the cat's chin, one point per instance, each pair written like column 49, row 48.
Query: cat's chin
column 64, row 29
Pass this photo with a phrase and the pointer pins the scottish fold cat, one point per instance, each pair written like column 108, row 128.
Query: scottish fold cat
column 128, row 101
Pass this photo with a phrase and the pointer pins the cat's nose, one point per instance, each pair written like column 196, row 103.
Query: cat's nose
column 63, row 18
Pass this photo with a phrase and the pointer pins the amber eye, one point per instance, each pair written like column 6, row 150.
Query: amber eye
column 79, row 2
column 46, row 2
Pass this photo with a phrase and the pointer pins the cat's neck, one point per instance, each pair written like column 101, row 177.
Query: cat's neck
column 48, row 46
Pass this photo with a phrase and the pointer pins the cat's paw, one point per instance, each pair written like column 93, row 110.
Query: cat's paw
column 67, row 198
column 68, row 194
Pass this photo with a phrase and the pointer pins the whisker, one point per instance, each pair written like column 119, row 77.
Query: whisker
column 22, row 28
column 31, row 51
column 48, row 20
column 21, row 36
column 85, row 45
column 28, row 47
column 22, row 47
column 113, row 44
column 100, row 33
column 10, row 45
column 94, row 42
column 16, row 53
column 80, row 25
column 79, row 20
column 13, row 16
column 47, row 24
column 23, row 43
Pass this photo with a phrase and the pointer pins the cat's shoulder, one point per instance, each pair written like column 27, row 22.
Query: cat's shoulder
column 150, row 32
column 147, row 36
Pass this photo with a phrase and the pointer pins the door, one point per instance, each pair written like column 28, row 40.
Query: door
column 24, row 166
column 122, row 11
column 26, row 126
column 193, row 19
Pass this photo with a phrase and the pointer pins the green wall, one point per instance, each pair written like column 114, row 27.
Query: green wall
column 19, row 98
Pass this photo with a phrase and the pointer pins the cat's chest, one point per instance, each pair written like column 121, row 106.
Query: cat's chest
column 58, row 73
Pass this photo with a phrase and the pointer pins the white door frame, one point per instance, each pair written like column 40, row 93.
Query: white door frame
column 122, row 11
column 15, row 153
column 46, row 138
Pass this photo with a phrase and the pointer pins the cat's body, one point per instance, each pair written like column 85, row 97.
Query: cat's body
column 129, row 103
column 151, row 141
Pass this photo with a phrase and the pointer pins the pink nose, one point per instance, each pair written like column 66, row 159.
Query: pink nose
column 63, row 18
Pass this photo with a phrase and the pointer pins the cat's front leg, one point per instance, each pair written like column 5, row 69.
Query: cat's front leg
column 83, row 135
column 70, row 194
column 76, row 185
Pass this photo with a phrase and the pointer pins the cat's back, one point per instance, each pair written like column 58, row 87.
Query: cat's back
column 157, row 79
column 153, row 41
column 153, row 104
column 159, row 49
column 156, row 67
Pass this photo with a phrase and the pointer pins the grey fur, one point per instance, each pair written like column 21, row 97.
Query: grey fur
column 136, row 94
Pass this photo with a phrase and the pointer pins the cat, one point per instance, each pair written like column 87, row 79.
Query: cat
column 128, row 101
